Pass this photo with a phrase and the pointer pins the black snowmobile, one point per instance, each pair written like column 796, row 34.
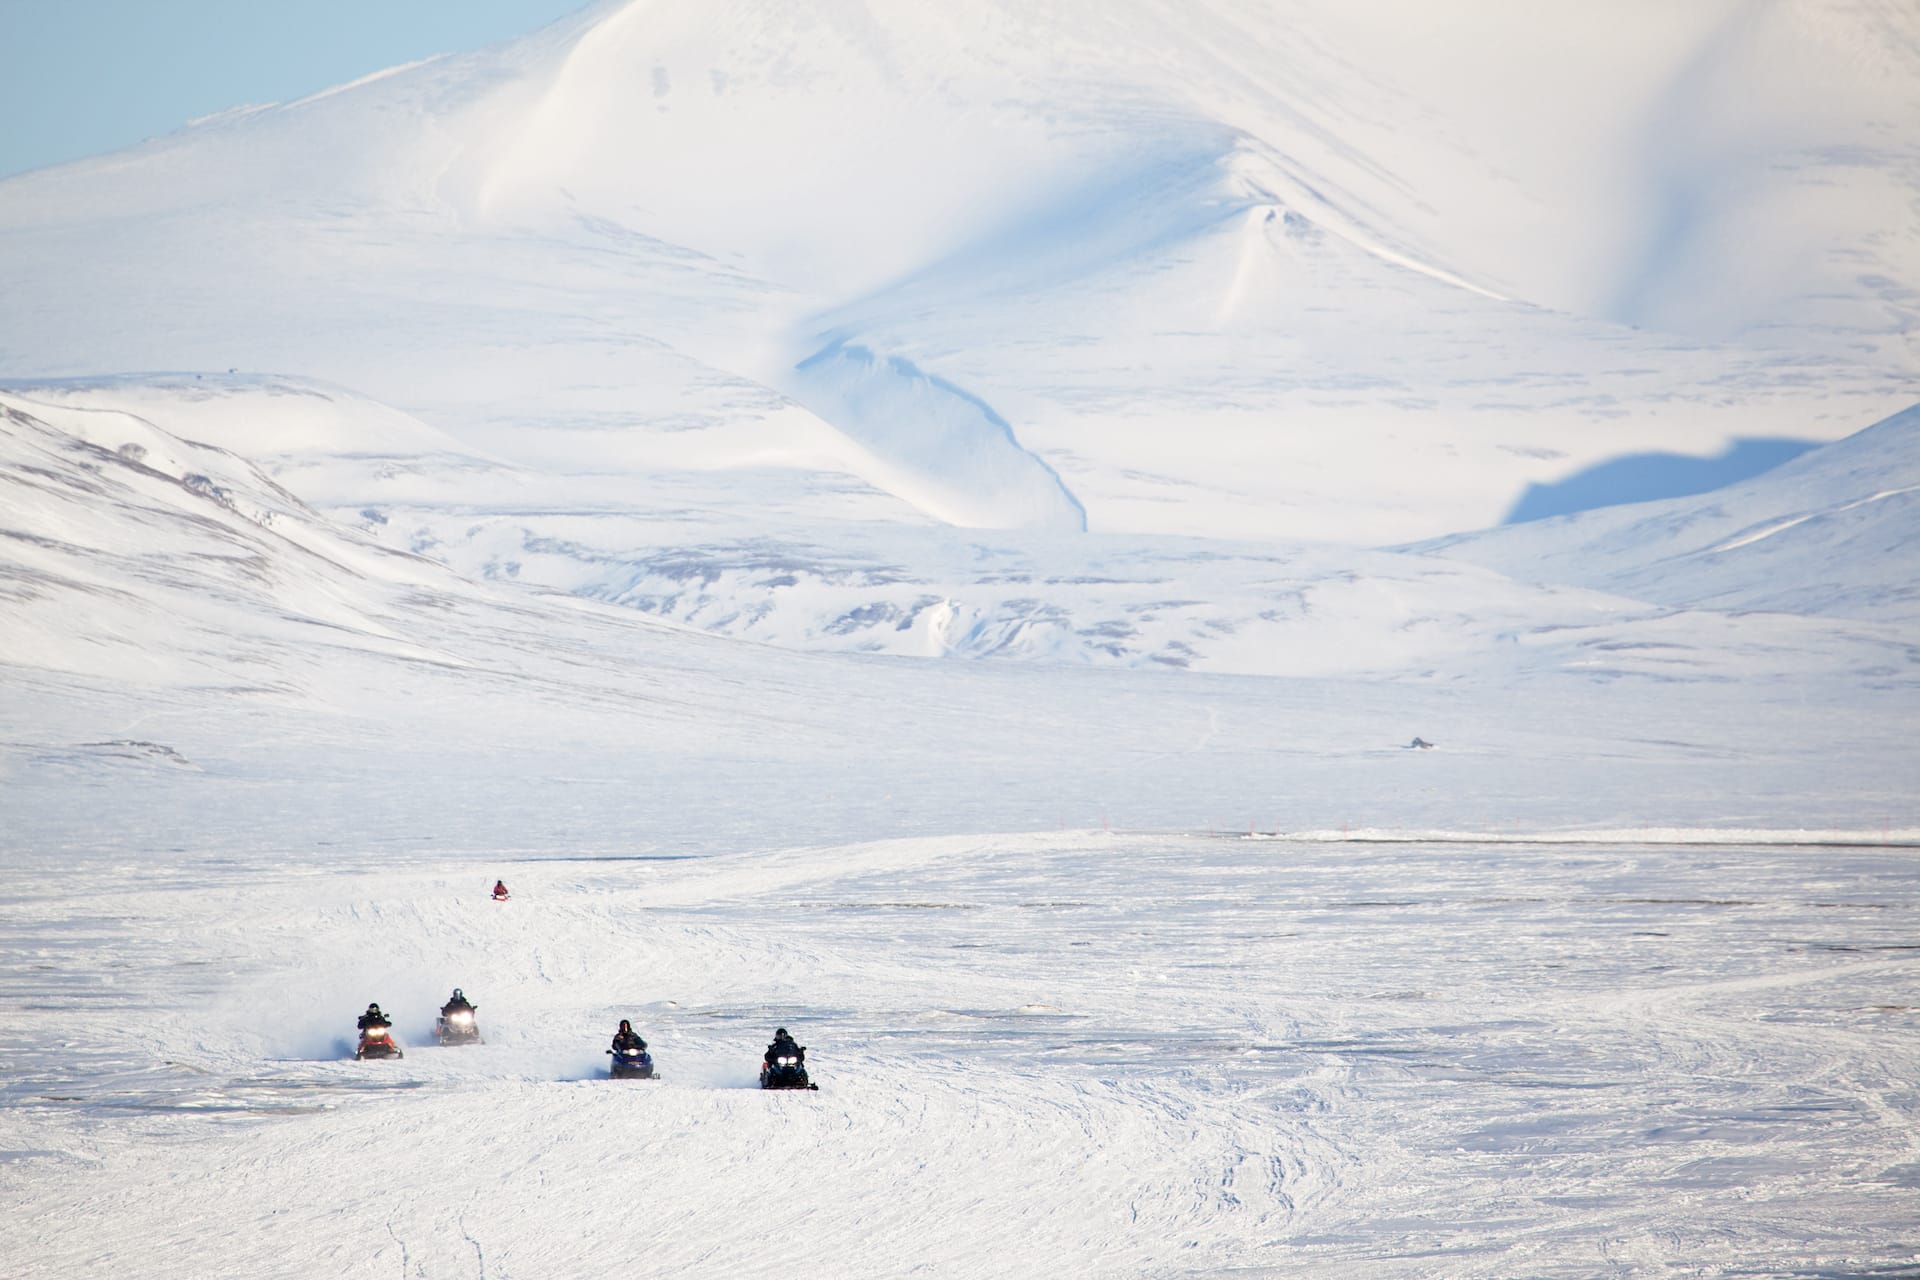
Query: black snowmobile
column 456, row 1025
column 785, row 1067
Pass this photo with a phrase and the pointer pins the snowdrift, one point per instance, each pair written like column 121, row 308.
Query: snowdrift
column 944, row 451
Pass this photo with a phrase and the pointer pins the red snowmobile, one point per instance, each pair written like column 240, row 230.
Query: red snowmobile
column 376, row 1038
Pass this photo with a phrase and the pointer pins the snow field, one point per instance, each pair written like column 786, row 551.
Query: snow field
column 1108, row 343
column 1034, row 1051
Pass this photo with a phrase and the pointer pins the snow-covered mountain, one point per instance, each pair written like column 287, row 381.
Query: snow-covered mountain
column 1277, row 609
column 1315, row 272
column 1833, row 533
column 1102, row 335
column 567, row 462
column 843, row 325
column 1082, row 334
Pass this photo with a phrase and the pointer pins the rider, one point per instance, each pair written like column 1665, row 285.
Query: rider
column 459, row 1004
column 373, row 1018
column 499, row 888
column 627, row 1038
column 784, row 1047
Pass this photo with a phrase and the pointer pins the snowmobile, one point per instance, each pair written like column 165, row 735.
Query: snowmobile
column 785, row 1071
column 500, row 893
column 630, row 1064
column 376, row 1041
column 457, row 1027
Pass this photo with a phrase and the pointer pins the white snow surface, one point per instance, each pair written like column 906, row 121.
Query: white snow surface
column 1081, row 1052
column 951, row 529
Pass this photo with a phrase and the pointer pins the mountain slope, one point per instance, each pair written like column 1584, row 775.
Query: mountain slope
column 1209, row 264
column 656, row 395
column 1833, row 533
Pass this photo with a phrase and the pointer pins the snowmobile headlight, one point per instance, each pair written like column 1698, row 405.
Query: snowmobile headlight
column 376, row 1033
column 463, row 1019
column 787, row 1062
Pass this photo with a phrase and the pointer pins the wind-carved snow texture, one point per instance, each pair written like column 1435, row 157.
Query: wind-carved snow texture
column 942, row 450
column 1037, row 1055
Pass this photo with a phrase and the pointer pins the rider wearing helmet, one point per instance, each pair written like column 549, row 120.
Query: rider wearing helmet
column 373, row 1018
column 627, row 1038
column 784, row 1047
column 458, row 1004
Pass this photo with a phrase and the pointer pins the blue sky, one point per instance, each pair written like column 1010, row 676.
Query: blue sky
column 87, row 76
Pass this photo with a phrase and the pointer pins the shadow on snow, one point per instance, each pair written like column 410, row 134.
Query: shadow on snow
column 1647, row 477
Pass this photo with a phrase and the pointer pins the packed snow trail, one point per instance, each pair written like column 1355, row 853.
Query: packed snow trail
column 1036, row 1055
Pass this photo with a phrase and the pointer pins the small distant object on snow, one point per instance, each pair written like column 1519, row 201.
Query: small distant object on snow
column 1420, row 744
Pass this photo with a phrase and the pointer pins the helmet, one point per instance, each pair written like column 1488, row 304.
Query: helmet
column 373, row 1008
column 779, row 1033
column 457, row 995
column 625, row 1025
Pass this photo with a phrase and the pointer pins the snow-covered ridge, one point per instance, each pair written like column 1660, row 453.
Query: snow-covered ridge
column 1834, row 532
column 136, row 554
column 384, row 480
column 1072, row 334
column 960, row 463
column 262, row 417
column 1223, row 268
column 912, row 121
column 1618, row 837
